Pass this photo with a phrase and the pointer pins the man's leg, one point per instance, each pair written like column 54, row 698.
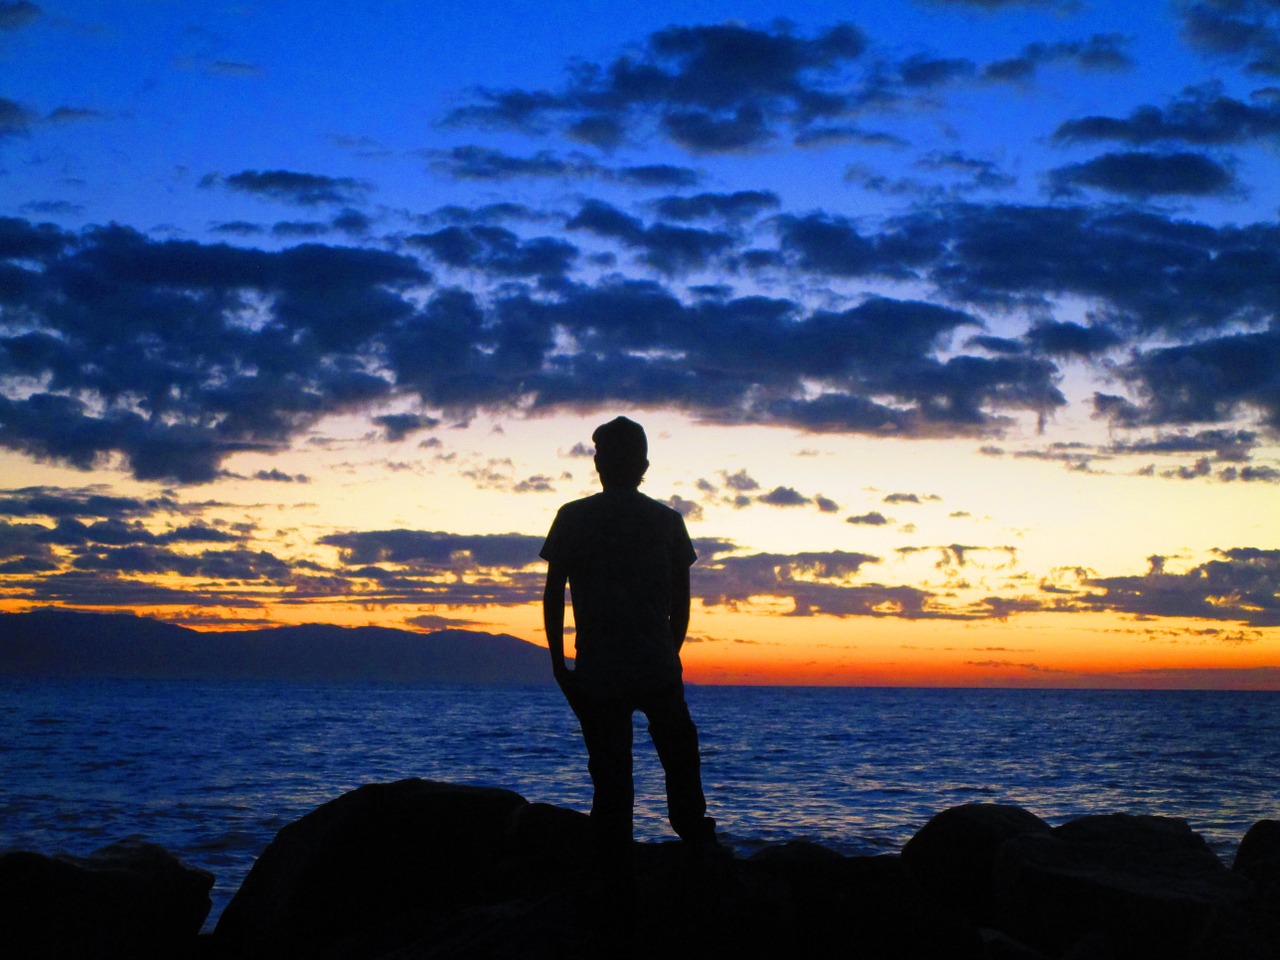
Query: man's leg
column 676, row 739
column 606, row 731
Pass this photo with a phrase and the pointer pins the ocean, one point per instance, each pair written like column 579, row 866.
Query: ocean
column 211, row 770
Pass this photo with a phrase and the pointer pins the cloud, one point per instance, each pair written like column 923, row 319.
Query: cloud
column 1102, row 51
column 1229, row 445
column 1245, row 29
column 1242, row 585
column 303, row 189
column 498, row 251
column 784, row 497
column 1140, row 174
column 236, row 68
column 435, row 550
column 689, row 509
column 398, row 426
column 435, row 621
column 1205, row 382
column 15, row 16
column 1202, row 115
column 736, row 206
column 872, row 519
column 169, row 357
column 708, row 89
column 1065, row 338
column 666, row 248
column 473, row 162
column 15, row 119
column 816, row 584
column 221, row 372
column 1178, row 276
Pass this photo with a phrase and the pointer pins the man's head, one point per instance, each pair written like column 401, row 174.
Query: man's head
column 622, row 452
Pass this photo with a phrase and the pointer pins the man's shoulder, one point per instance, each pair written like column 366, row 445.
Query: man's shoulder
column 630, row 502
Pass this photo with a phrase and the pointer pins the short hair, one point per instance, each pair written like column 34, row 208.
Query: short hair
column 622, row 451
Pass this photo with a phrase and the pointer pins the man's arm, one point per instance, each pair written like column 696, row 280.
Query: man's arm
column 553, row 617
column 679, row 605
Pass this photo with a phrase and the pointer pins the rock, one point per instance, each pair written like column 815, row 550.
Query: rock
column 131, row 899
column 1258, row 857
column 1140, row 886
column 954, row 854
column 414, row 870
column 348, row 877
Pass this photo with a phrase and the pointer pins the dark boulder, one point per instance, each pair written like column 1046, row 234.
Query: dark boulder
column 1137, row 886
column 1258, row 857
column 416, row 869
column 954, row 855
column 363, row 867
column 131, row 899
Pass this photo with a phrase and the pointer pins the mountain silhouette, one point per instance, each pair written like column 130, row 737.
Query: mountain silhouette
column 69, row 644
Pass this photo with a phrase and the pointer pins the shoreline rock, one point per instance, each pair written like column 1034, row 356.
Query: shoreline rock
column 421, row 869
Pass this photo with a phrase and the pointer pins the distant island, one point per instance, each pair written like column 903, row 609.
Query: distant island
column 70, row 645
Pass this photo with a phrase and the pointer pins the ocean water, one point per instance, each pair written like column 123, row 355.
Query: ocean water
column 212, row 770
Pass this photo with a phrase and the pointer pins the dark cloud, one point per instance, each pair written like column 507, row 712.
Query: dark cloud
column 238, row 228
column 1142, row 272
column 175, row 355
column 64, row 502
column 435, row 550
column 689, row 509
column 709, row 89
column 1210, row 381
column 299, row 229
column 1064, row 338
column 815, row 583
column 872, row 519
column 15, row 119
column 981, row 174
column 664, row 247
column 900, row 497
column 236, row 68
column 1102, row 51
column 658, row 175
column 398, row 426
column 1227, row 445
column 168, row 353
column 925, row 71
column 737, row 206
column 1141, row 174
column 15, row 16
column 304, row 189
column 1242, row 585
column 498, row 251
column 784, row 497
column 485, row 163
column 821, row 136
column 1202, row 115
column 833, row 245
column 279, row 476
column 1245, row 29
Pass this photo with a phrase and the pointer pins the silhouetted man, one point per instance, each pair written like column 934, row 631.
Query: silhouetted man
column 626, row 558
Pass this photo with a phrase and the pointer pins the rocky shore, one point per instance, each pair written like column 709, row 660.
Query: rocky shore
column 417, row 869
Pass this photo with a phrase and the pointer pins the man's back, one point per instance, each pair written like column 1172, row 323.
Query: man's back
column 623, row 553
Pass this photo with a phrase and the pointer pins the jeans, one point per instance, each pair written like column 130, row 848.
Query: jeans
column 606, row 729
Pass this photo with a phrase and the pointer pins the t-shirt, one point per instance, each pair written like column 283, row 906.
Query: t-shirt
column 621, row 550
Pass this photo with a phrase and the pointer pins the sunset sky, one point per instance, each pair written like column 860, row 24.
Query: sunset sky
column 953, row 323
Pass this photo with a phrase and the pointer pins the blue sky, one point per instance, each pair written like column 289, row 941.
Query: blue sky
column 282, row 275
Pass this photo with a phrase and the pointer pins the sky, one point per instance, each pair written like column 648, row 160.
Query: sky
column 953, row 323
